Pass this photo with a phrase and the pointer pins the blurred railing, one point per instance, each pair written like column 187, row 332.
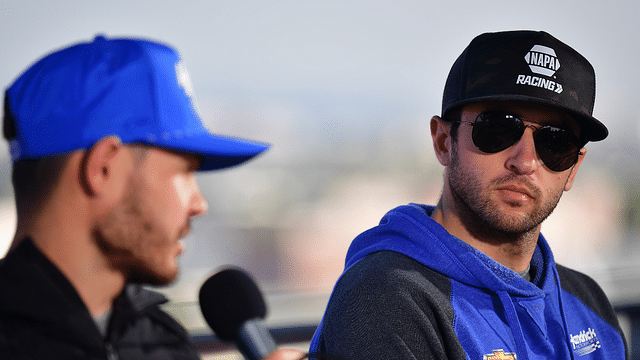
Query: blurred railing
column 283, row 336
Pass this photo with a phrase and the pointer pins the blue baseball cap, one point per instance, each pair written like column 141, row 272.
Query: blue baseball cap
column 136, row 89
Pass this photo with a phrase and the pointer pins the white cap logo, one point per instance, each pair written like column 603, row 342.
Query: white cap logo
column 185, row 83
column 183, row 78
column 542, row 60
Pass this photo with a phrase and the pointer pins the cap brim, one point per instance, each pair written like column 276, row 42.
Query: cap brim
column 591, row 128
column 217, row 151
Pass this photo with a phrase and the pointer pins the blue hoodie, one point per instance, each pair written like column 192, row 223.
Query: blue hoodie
column 490, row 310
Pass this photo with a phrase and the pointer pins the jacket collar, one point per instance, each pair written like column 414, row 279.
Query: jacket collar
column 41, row 292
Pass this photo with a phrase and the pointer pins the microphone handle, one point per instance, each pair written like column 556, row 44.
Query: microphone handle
column 254, row 341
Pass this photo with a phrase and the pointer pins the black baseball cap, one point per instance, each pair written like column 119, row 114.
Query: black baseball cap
column 526, row 66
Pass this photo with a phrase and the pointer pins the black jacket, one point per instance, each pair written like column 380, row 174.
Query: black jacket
column 42, row 317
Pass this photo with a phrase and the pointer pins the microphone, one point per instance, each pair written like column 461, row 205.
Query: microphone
column 233, row 306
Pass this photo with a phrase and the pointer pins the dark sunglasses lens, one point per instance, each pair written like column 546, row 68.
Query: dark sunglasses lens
column 557, row 148
column 494, row 132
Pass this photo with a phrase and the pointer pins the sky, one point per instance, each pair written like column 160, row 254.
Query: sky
column 341, row 55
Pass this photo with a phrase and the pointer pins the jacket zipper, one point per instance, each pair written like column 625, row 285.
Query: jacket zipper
column 111, row 353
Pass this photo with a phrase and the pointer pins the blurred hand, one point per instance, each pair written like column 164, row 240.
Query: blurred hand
column 285, row 354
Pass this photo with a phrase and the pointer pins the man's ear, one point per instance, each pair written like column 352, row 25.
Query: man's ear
column 574, row 170
column 101, row 165
column 440, row 133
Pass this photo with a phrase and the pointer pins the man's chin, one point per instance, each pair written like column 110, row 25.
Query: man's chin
column 153, row 278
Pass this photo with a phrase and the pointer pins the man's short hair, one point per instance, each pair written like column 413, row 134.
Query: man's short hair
column 33, row 179
column 453, row 117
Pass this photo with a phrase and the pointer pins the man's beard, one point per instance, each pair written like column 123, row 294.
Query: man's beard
column 482, row 215
column 124, row 236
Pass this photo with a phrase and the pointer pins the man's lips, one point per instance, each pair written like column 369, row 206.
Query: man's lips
column 517, row 189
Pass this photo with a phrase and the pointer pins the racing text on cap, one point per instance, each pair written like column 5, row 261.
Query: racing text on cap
column 542, row 60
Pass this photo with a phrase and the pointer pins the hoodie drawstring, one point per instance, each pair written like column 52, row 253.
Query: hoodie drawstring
column 562, row 314
column 514, row 324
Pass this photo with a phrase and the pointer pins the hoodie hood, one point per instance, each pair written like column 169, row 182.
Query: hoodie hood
column 411, row 231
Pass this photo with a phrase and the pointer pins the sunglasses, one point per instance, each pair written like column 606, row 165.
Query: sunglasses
column 495, row 131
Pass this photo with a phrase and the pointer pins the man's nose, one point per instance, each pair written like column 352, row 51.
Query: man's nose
column 523, row 158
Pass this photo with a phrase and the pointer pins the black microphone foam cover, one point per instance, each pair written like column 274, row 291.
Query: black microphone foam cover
column 228, row 299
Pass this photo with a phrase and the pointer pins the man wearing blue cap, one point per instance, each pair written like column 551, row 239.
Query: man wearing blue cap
column 473, row 277
column 105, row 143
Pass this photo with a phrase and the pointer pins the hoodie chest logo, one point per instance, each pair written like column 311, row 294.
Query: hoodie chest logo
column 499, row 355
column 585, row 342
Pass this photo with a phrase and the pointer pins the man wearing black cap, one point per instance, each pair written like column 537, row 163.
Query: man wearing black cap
column 473, row 277
column 105, row 143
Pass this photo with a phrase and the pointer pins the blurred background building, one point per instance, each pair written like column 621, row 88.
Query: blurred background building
column 344, row 91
